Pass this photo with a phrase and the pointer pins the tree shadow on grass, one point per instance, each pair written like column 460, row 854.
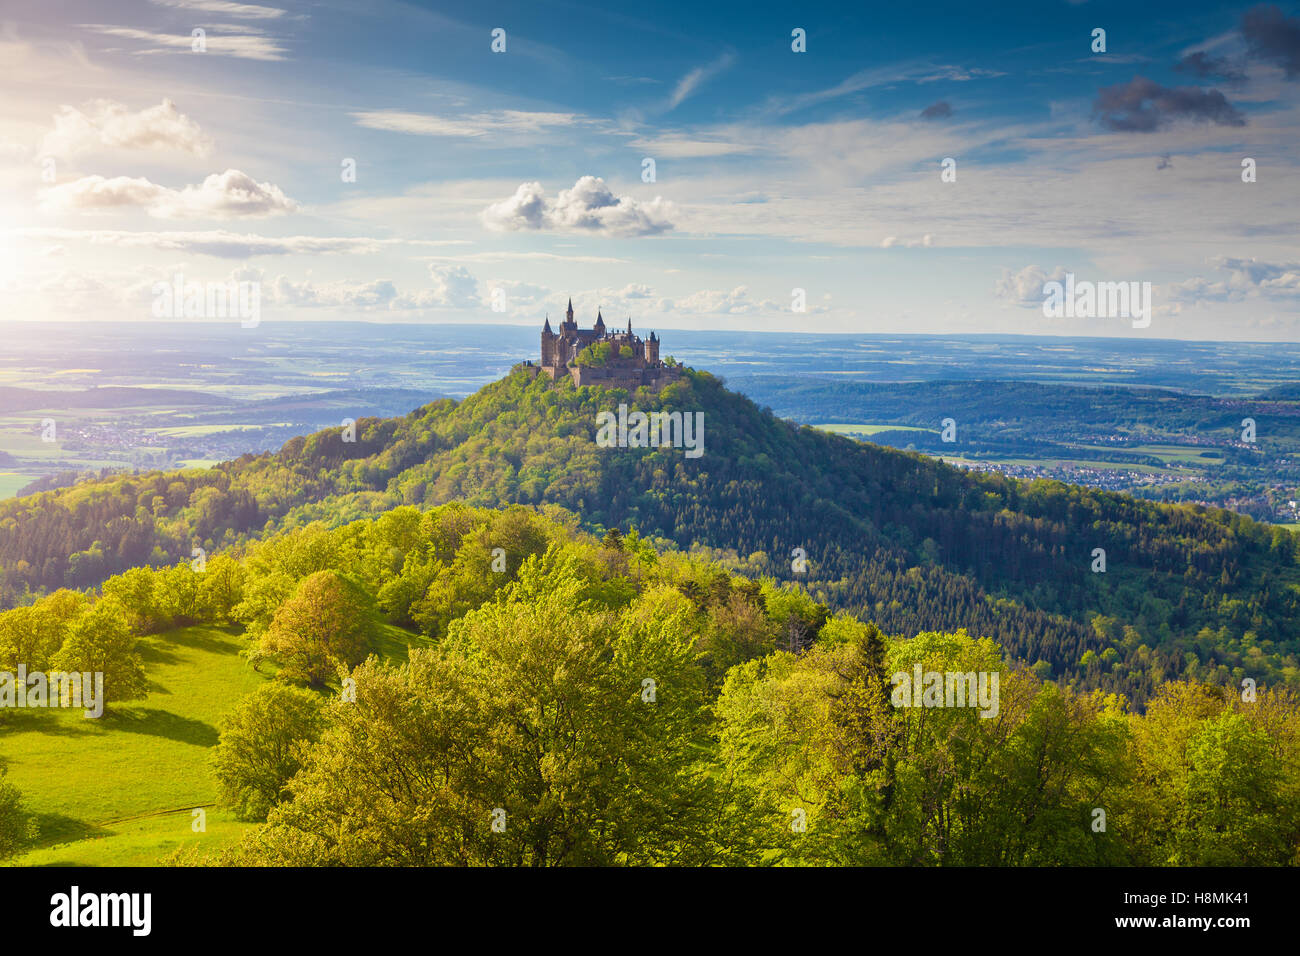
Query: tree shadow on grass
column 205, row 639
column 42, row 720
column 56, row 828
column 162, row 648
column 163, row 723
column 152, row 653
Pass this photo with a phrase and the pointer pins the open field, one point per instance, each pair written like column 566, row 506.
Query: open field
column 119, row 790
column 853, row 429
column 91, row 782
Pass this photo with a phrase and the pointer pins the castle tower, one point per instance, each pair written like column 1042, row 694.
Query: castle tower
column 599, row 327
column 652, row 349
column 548, row 343
column 568, row 316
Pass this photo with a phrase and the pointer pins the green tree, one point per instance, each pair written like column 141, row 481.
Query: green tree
column 325, row 623
column 136, row 592
column 221, row 588
column 99, row 641
column 595, row 355
column 17, row 829
column 534, row 712
column 796, row 735
column 261, row 746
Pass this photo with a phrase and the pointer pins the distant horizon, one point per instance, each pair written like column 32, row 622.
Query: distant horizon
column 712, row 330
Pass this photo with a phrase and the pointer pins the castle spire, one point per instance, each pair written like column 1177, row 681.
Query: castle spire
column 547, row 326
column 569, row 315
column 629, row 325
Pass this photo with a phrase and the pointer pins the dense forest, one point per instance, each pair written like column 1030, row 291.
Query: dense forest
column 584, row 701
column 899, row 539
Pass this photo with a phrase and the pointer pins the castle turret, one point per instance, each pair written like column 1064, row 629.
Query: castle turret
column 652, row 349
column 599, row 327
column 548, row 343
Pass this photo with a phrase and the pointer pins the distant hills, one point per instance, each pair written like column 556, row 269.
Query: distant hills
column 14, row 399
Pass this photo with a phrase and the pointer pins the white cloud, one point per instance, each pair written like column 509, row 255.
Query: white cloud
column 223, row 244
column 12, row 153
column 677, row 146
column 958, row 74
column 1025, row 288
column 470, row 125
column 590, row 206
column 243, row 42
column 505, row 256
column 890, row 242
column 377, row 293
column 1246, row 278
column 693, row 80
column 228, row 195
column 453, row 287
column 246, row 11
column 711, row 302
column 108, row 123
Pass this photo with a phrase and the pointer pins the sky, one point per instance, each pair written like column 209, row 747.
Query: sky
column 679, row 164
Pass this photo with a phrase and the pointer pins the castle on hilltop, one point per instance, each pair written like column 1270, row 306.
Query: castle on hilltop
column 596, row 356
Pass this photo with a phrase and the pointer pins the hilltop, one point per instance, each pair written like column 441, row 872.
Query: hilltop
column 892, row 536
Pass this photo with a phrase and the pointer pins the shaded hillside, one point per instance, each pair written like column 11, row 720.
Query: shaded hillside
column 896, row 537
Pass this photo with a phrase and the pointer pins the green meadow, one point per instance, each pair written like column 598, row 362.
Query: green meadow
column 120, row 790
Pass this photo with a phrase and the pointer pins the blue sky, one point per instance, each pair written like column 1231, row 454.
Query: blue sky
column 516, row 178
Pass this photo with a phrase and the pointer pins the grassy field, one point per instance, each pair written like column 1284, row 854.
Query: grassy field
column 840, row 428
column 11, row 481
column 103, row 791
column 119, row 790
column 192, row 431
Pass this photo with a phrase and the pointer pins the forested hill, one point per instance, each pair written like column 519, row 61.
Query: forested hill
column 904, row 540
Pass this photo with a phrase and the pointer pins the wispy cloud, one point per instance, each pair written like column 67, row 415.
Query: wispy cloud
column 229, row 245
column 683, row 146
column 472, row 125
column 246, row 11
column 910, row 72
column 696, row 78
column 243, row 43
